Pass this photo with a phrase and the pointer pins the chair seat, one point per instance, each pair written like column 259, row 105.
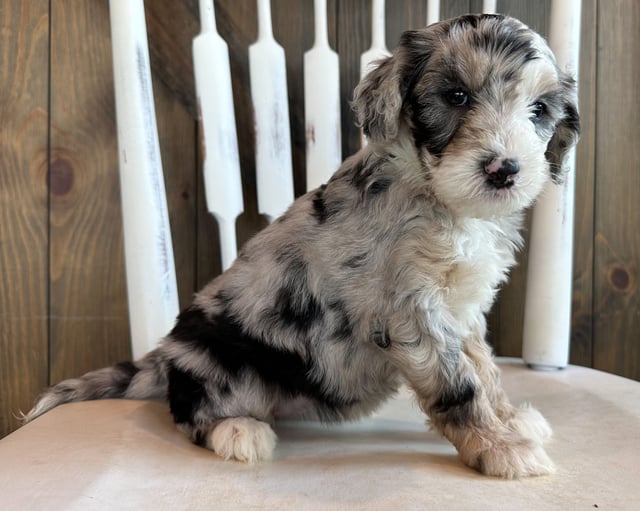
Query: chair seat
column 118, row 455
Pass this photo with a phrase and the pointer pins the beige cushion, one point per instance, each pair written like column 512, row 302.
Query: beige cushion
column 117, row 455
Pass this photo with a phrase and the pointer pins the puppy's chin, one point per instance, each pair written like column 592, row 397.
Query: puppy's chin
column 467, row 192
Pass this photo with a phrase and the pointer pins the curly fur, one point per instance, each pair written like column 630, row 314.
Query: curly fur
column 383, row 275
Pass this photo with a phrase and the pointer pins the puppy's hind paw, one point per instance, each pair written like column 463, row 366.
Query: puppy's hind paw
column 242, row 439
column 514, row 461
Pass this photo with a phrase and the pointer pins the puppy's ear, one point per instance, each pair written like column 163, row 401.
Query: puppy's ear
column 567, row 131
column 377, row 101
column 380, row 97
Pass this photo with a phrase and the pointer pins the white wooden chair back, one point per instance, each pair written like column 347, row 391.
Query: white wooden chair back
column 151, row 281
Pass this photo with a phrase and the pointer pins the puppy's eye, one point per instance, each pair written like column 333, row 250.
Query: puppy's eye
column 538, row 110
column 457, row 98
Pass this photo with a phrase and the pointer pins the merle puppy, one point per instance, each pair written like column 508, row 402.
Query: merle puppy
column 383, row 275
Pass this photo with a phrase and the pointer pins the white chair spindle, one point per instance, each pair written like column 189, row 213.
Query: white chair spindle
column 433, row 11
column 378, row 47
column 151, row 279
column 221, row 161
column 322, row 104
column 547, row 320
column 489, row 6
column 267, row 70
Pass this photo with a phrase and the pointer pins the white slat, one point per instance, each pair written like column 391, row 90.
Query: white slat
column 433, row 11
column 267, row 68
column 221, row 165
column 489, row 6
column 547, row 320
column 151, row 280
column 378, row 47
column 322, row 104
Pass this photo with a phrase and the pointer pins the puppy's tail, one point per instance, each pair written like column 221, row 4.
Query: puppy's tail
column 144, row 379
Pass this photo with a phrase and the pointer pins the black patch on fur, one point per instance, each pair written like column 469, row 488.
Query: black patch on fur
column 434, row 123
column 224, row 339
column 344, row 328
column 296, row 312
column 199, row 435
column 381, row 338
column 567, row 132
column 319, row 208
column 417, row 70
column 453, row 402
column 323, row 206
column 366, row 178
column 223, row 297
column 502, row 38
column 295, row 305
column 357, row 261
column 124, row 373
column 571, row 118
column 186, row 394
column 360, row 175
column 379, row 186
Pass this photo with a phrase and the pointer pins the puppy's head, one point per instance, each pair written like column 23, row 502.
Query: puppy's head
column 488, row 109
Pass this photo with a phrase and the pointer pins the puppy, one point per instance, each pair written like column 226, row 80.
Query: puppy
column 383, row 275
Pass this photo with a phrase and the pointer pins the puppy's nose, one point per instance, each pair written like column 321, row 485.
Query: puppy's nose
column 500, row 171
column 502, row 167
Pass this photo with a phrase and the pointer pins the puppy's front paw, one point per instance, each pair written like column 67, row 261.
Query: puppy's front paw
column 514, row 460
column 243, row 439
column 530, row 423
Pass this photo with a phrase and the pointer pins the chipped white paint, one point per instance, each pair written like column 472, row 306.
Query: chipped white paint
column 267, row 70
column 433, row 11
column 221, row 162
column 322, row 104
column 151, row 280
column 547, row 320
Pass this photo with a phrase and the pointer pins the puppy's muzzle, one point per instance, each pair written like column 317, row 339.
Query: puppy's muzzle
column 500, row 172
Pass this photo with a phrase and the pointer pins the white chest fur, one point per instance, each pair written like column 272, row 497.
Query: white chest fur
column 481, row 253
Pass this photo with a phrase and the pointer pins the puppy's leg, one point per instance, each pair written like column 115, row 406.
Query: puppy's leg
column 525, row 419
column 228, row 416
column 458, row 402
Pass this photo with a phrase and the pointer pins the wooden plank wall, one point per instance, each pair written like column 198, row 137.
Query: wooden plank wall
column 63, row 306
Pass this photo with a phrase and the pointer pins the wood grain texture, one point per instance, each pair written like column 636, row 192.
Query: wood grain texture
column 617, row 237
column 353, row 38
column 24, row 50
column 581, row 352
column 89, row 325
column 171, row 26
column 177, row 134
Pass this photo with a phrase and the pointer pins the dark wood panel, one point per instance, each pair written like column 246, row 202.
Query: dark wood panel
column 617, row 237
column 353, row 38
column 177, row 135
column 24, row 29
column 582, row 319
column 89, row 319
column 171, row 26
